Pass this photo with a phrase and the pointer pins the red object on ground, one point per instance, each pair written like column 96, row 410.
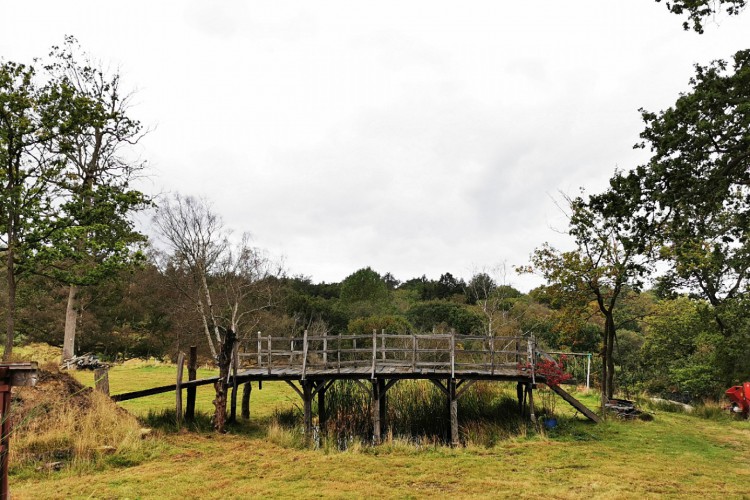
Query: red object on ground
column 739, row 395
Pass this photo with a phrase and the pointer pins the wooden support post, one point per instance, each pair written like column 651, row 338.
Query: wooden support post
column 322, row 415
column 588, row 371
column 307, row 388
column 519, row 394
column 192, row 375
column 178, row 389
column 530, row 390
column 453, row 400
column 101, row 379
column 246, row 390
column 382, row 407
column 376, row 430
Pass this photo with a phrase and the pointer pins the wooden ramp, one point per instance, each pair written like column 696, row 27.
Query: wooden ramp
column 575, row 403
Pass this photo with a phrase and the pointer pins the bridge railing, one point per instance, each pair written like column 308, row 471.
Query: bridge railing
column 439, row 352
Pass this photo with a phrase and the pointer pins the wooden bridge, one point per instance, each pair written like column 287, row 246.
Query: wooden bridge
column 310, row 364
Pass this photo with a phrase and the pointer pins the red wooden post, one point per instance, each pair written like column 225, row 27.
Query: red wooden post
column 10, row 375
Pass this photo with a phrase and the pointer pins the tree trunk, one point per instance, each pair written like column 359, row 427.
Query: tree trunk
column 604, row 371
column 71, row 320
column 11, row 317
column 207, row 329
column 220, row 402
column 610, row 358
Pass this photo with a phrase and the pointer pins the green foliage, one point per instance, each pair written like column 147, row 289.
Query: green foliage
column 700, row 10
column 364, row 293
column 433, row 314
column 391, row 324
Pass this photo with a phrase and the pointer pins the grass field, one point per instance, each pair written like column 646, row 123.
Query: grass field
column 675, row 455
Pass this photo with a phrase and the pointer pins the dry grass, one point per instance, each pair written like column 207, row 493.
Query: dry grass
column 61, row 423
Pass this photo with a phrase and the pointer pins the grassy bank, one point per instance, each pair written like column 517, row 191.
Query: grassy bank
column 675, row 455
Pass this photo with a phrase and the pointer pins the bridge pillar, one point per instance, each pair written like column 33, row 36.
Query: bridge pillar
column 376, row 398
column 307, row 397
column 247, row 389
column 453, row 405
column 382, row 410
column 530, row 391
column 322, row 415
column 519, row 395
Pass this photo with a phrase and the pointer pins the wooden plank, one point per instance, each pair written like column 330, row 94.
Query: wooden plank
column 178, row 388
column 575, row 403
column 161, row 389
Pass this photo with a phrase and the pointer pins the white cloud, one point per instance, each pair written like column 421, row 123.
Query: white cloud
column 414, row 137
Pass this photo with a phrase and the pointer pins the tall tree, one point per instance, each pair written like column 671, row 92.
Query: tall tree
column 99, row 237
column 693, row 197
column 605, row 263
column 31, row 116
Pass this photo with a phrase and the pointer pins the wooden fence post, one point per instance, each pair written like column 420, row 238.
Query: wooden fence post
column 453, row 354
column 270, row 361
column 101, row 379
column 233, row 404
column 304, row 355
column 178, row 389
column 374, row 350
column 382, row 344
column 192, row 375
column 260, row 350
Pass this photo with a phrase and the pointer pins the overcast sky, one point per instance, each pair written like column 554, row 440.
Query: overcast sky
column 412, row 137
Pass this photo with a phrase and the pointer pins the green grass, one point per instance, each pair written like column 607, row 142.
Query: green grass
column 676, row 455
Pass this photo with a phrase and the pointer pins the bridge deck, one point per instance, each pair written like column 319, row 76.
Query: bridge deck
column 452, row 362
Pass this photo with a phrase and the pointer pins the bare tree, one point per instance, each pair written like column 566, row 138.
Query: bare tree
column 230, row 284
column 197, row 239
column 246, row 282
column 490, row 291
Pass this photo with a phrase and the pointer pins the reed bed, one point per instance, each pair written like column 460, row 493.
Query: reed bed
column 416, row 412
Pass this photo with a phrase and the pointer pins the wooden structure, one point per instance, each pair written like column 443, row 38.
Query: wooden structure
column 12, row 374
column 310, row 364
column 452, row 362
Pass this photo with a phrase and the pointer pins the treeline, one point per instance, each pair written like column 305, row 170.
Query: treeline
column 665, row 345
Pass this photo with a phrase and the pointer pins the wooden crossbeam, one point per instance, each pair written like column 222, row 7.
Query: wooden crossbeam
column 440, row 386
column 464, row 387
column 296, row 389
